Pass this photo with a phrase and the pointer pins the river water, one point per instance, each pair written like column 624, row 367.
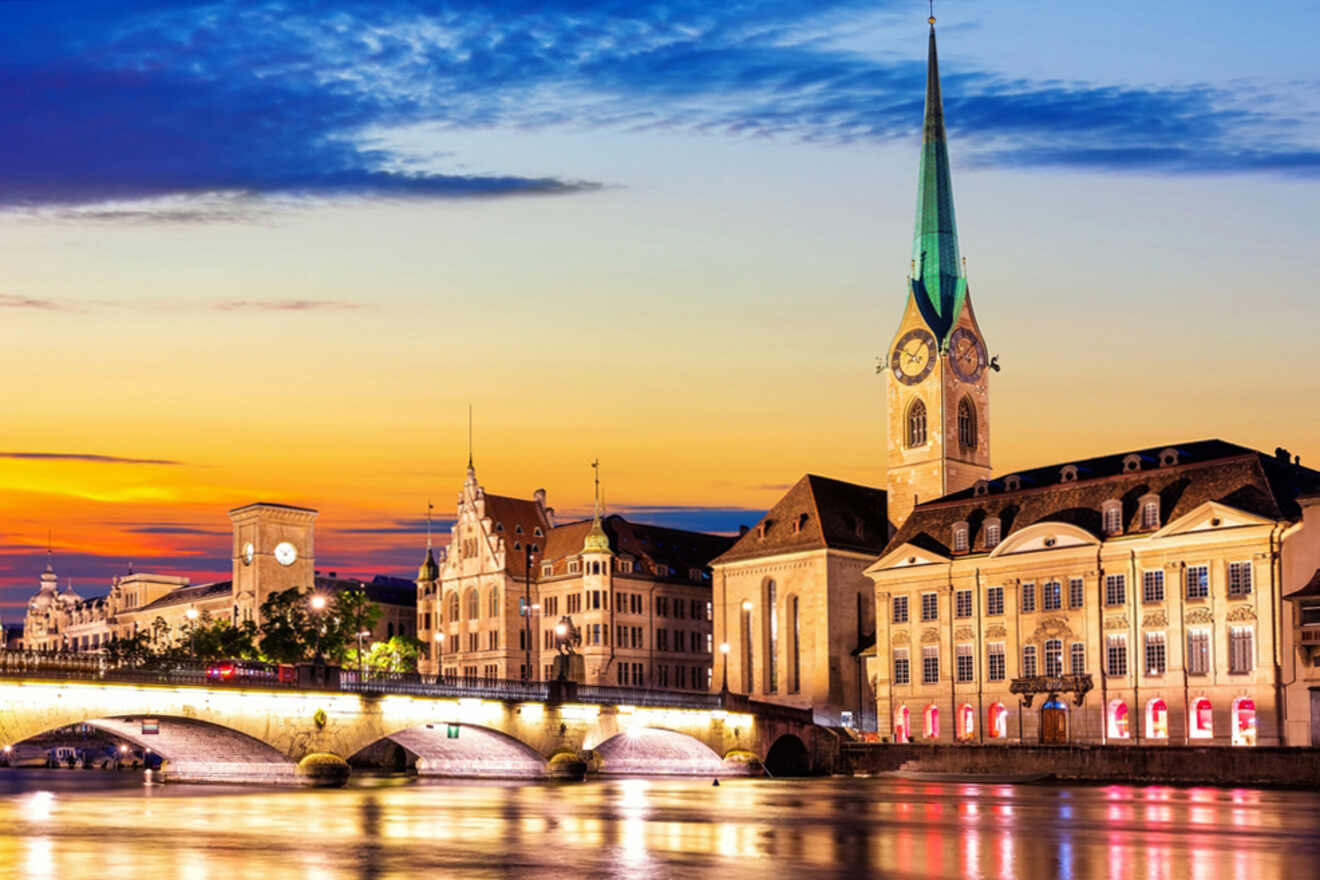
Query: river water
column 57, row 824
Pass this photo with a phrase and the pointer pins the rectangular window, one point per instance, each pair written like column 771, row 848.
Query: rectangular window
column 960, row 539
column 1152, row 586
column 902, row 674
column 930, row 664
column 1155, row 653
column 1076, row 592
column 1028, row 661
column 991, row 535
column 1198, row 581
column 1054, row 658
column 1077, row 658
column 1028, row 592
column 1115, row 589
column 900, row 609
column 1113, row 520
column 1150, row 515
column 964, row 658
column 1051, row 596
column 930, row 609
column 962, row 603
column 1116, row 655
column 1241, row 650
column 681, row 673
column 1239, row 578
column 678, row 608
column 662, row 639
column 622, row 673
column 996, row 669
column 661, row 606
column 1198, row 652
column 994, row 600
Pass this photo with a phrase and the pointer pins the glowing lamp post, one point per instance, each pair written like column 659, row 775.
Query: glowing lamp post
column 724, row 660
column 362, row 634
column 318, row 604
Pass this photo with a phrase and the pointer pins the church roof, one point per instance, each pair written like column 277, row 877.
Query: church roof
column 1183, row 477
column 937, row 283
column 818, row 513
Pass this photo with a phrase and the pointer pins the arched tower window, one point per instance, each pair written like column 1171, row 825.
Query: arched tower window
column 966, row 423
column 916, row 424
column 453, row 607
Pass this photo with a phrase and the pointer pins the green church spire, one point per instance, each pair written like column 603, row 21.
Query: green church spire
column 937, row 282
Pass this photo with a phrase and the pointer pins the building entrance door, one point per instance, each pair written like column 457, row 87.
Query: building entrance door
column 1053, row 723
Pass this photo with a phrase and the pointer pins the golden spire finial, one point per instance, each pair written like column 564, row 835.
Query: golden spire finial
column 932, row 13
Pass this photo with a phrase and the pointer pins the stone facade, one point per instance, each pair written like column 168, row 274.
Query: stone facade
column 510, row 575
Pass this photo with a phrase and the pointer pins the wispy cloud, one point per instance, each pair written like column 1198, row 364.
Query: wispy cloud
column 14, row 301
column 285, row 305
column 209, row 111
column 93, row 458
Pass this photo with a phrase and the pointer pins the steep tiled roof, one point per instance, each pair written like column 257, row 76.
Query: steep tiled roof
column 507, row 516
column 1206, row 470
column 818, row 513
column 654, row 548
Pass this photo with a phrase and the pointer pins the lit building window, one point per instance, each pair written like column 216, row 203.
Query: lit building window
column 1201, row 719
column 1054, row 658
column 932, row 722
column 1028, row 661
column 1152, row 586
column 902, row 725
column 1198, row 581
column 1157, row 719
column 996, row 721
column 1118, row 720
column 966, row 722
column 1051, row 595
column 1150, row 514
column 1244, row 722
column 1155, row 653
column 1077, row 658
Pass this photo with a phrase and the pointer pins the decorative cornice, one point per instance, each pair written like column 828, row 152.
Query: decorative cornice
column 1242, row 612
column 1155, row 619
column 1199, row 615
column 964, row 634
column 900, row 638
column 1112, row 623
column 1052, row 628
column 930, row 637
column 996, row 631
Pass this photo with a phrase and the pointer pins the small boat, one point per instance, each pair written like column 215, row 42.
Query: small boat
column 977, row 778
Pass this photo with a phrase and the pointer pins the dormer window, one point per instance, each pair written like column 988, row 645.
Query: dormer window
column 547, row 570
column 960, row 537
column 1112, row 515
column 1131, row 463
column 1168, row 457
column 991, row 534
column 1012, row 483
column 1068, row 474
column 625, row 566
column 536, row 532
column 518, row 530
column 762, row 529
column 980, row 487
column 1150, row 512
column 801, row 522
column 499, row 526
column 574, row 567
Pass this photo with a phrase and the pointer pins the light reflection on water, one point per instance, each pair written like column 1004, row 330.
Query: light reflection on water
column 57, row 824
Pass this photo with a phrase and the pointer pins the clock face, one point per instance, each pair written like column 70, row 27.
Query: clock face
column 913, row 357
column 249, row 553
column 285, row 554
column 967, row 354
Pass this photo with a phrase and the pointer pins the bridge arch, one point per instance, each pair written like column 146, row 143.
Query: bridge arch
column 458, row 749
column 656, row 751
column 788, row 756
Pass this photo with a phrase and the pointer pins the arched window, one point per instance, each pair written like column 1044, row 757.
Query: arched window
column 997, row 721
column 966, row 721
column 932, row 722
column 1053, row 657
column 902, row 725
column 453, row 606
column 474, row 605
column 494, row 609
column 1157, row 719
column 771, row 624
column 916, row 424
column 1244, row 722
column 966, row 423
column 794, row 647
column 1201, row 719
column 1118, row 720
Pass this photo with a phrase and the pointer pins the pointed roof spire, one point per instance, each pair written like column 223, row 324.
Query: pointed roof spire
column 937, row 283
column 50, row 550
column 470, row 436
column 597, row 541
column 429, row 570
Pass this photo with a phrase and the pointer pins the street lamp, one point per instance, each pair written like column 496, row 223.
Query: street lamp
column 318, row 605
column 724, row 655
column 439, row 655
column 192, row 615
column 362, row 634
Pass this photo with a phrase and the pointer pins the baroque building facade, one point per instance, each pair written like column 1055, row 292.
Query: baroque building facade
column 491, row 604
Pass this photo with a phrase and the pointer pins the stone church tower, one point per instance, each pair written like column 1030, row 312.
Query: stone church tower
column 938, row 394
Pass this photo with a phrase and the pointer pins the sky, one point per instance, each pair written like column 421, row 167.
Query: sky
column 274, row 250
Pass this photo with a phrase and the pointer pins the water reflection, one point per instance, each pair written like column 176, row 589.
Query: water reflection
column 61, row 824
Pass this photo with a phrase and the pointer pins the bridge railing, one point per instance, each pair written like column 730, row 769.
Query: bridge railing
column 592, row 693
column 442, row 685
column 96, row 667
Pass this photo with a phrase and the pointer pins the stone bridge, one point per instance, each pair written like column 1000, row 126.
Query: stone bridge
column 265, row 733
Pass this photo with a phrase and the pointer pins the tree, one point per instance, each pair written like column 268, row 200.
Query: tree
column 223, row 640
column 287, row 633
column 349, row 613
column 398, row 654
column 131, row 651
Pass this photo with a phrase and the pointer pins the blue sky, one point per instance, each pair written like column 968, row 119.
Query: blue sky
column 273, row 250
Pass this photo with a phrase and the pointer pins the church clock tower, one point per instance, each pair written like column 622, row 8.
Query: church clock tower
column 938, row 393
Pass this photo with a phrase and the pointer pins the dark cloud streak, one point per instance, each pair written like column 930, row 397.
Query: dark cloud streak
column 92, row 458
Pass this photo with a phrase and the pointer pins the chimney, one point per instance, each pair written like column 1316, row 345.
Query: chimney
column 1282, row 454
